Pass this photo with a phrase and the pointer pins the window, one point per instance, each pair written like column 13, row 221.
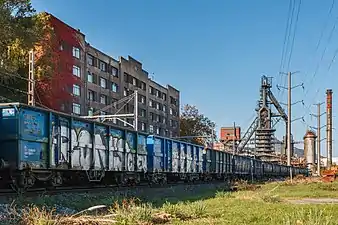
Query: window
column 76, row 90
column 90, row 60
column 171, row 123
column 143, row 86
column 142, row 99
column 164, row 96
column 76, row 108
column 150, row 90
column 157, row 130
column 170, row 111
column 103, row 66
column 151, row 128
column 143, row 126
column 114, row 72
column 134, row 81
column 157, row 93
column 90, row 95
column 125, row 92
column 157, row 106
column 157, row 118
column 76, row 52
column 164, row 108
column 114, row 87
column 164, row 120
column 90, row 77
column 142, row 113
column 150, row 103
column 103, row 82
column 90, row 111
column 103, row 99
column 173, row 101
column 76, row 71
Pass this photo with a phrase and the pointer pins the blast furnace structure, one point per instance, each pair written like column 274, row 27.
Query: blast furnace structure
column 263, row 124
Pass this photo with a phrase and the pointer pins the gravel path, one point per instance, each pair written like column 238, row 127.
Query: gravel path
column 314, row 201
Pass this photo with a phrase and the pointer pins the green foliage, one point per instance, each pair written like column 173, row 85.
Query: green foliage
column 19, row 31
column 193, row 123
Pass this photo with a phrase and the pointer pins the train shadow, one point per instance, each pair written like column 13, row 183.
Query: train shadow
column 191, row 193
column 182, row 193
column 156, row 196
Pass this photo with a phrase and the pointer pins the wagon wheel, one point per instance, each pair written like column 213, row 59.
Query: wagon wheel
column 25, row 182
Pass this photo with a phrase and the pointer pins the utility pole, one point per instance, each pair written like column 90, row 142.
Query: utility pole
column 318, row 134
column 234, row 140
column 136, row 110
column 31, row 81
column 289, row 121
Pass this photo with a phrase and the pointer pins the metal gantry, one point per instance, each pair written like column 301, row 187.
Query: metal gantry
column 117, row 115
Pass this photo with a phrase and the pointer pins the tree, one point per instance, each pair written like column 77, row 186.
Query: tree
column 193, row 123
column 19, row 31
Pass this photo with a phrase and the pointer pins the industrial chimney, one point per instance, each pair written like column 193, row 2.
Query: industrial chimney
column 329, row 127
column 310, row 150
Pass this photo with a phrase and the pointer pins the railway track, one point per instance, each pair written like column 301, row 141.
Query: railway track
column 10, row 193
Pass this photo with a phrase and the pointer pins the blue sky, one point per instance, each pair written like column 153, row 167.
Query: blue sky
column 215, row 51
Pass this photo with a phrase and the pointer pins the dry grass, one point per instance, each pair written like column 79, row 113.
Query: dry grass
column 252, row 205
column 128, row 212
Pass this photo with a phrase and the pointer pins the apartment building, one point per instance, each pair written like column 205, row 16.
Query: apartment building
column 105, row 81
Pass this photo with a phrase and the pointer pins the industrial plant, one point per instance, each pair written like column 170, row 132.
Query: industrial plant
column 259, row 140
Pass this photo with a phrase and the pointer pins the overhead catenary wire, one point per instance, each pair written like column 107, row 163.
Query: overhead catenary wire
column 286, row 37
column 287, row 65
column 294, row 34
column 285, row 42
column 5, row 73
column 318, row 64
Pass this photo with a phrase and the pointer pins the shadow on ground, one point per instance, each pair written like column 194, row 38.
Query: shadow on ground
column 157, row 196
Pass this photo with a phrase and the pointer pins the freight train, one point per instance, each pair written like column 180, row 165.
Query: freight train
column 49, row 148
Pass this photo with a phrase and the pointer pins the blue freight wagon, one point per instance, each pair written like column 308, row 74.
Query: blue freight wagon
column 45, row 147
column 172, row 159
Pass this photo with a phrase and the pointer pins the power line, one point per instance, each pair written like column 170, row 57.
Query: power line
column 294, row 35
column 322, row 57
column 289, row 56
column 286, row 40
column 13, row 75
column 307, row 108
column 285, row 37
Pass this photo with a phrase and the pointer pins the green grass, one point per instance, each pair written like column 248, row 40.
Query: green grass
column 205, row 205
column 302, row 190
